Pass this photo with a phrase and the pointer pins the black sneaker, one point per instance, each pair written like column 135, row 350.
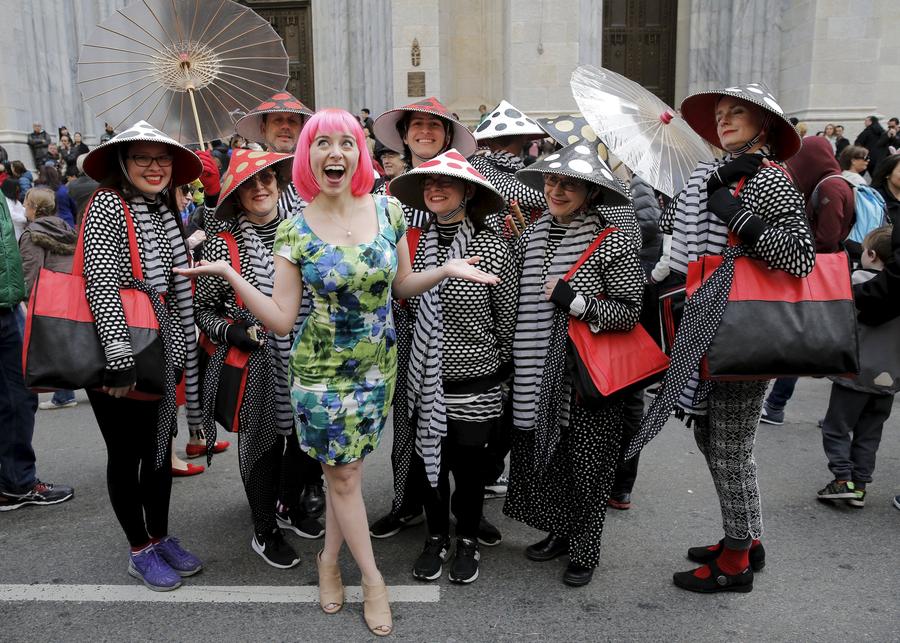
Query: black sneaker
column 275, row 550
column 42, row 493
column 497, row 489
column 465, row 563
column 392, row 523
column 488, row 535
column 772, row 416
column 429, row 564
column 837, row 490
column 300, row 524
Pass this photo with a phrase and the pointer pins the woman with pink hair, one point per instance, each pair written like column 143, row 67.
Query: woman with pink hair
column 349, row 249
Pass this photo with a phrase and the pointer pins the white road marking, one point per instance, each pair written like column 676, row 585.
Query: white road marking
column 189, row 593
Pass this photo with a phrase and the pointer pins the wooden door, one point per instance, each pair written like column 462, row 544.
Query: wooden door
column 639, row 42
column 292, row 20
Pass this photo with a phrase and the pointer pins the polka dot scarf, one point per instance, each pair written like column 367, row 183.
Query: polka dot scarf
column 703, row 313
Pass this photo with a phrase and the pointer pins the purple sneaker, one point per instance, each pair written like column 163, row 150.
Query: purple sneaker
column 156, row 574
column 183, row 562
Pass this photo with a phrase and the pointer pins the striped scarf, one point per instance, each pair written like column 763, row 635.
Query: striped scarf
column 535, row 316
column 262, row 264
column 425, row 388
column 178, row 339
column 695, row 231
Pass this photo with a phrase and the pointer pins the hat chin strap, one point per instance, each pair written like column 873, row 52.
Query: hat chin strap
column 446, row 218
column 755, row 140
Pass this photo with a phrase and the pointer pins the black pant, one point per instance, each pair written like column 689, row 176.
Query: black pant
column 297, row 471
column 852, row 430
column 463, row 453
column 626, row 472
column 139, row 492
column 498, row 445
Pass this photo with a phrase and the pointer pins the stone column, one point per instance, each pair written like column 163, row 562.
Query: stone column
column 352, row 48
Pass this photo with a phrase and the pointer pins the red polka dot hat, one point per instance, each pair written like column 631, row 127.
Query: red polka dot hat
column 249, row 126
column 243, row 165
column 386, row 126
column 408, row 187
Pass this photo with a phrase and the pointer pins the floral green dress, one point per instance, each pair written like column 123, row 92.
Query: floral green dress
column 344, row 359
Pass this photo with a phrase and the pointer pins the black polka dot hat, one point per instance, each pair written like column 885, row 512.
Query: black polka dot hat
column 699, row 111
column 506, row 120
column 579, row 160
column 99, row 161
column 566, row 129
column 408, row 186
column 385, row 125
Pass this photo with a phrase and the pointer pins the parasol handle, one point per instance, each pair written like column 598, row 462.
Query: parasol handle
column 190, row 91
column 665, row 117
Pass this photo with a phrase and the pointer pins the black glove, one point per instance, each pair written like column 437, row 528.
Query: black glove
column 744, row 165
column 728, row 209
column 563, row 295
column 236, row 335
column 724, row 204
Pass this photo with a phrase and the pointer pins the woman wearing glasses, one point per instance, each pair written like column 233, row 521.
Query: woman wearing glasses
column 564, row 455
column 138, row 170
column 854, row 161
column 249, row 204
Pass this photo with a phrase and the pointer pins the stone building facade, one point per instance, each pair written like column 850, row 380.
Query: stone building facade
column 826, row 60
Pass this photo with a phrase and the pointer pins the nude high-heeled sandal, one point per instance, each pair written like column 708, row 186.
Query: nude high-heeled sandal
column 331, row 588
column 377, row 610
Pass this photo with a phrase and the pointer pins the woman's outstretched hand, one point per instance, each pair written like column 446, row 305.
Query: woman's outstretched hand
column 465, row 269
column 205, row 268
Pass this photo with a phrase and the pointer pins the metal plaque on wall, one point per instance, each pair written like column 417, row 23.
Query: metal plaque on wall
column 415, row 84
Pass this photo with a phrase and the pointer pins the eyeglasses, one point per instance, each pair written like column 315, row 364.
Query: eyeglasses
column 862, row 158
column 568, row 185
column 265, row 177
column 143, row 160
column 437, row 182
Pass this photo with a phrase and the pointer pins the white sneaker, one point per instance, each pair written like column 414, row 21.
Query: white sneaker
column 50, row 405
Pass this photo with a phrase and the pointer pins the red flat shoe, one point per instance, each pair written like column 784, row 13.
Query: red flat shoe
column 192, row 470
column 197, row 450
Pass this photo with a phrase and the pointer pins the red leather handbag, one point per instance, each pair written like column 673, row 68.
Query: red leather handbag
column 232, row 379
column 61, row 348
column 610, row 362
column 778, row 325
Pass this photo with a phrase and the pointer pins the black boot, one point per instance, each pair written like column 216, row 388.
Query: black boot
column 549, row 548
column 577, row 576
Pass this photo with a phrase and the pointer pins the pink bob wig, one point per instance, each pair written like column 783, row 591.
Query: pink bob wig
column 331, row 121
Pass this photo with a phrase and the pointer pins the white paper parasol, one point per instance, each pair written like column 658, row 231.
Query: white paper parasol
column 641, row 130
column 189, row 67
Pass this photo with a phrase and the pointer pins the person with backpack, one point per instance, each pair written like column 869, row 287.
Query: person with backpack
column 869, row 204
column 886, row 180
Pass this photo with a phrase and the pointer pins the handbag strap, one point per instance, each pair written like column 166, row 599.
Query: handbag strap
column 78, row 260
column 587, row 253
column 235, row 258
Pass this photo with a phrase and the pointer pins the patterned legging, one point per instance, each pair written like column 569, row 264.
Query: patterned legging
column 726, row 436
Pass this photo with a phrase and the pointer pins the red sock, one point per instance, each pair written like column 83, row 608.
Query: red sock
column 733, row 561
column 135, row 550
column 155, row 541
column 755, row 543
column 703, row 572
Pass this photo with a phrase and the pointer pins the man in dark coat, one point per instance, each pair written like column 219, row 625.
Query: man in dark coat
column 869, row 137
column 39, row 141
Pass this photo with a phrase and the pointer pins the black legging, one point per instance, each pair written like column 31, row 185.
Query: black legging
column 297, row 471
column 463, row 453
column 139, row 494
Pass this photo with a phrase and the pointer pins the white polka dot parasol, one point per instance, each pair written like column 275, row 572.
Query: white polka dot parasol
column 189, row 68
column 640, row 129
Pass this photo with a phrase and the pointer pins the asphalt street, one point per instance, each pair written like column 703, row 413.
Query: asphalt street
column 831, row 574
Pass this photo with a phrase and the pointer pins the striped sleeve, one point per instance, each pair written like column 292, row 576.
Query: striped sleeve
column 213, row 293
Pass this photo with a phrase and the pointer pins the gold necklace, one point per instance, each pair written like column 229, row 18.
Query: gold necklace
column 347, row 230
